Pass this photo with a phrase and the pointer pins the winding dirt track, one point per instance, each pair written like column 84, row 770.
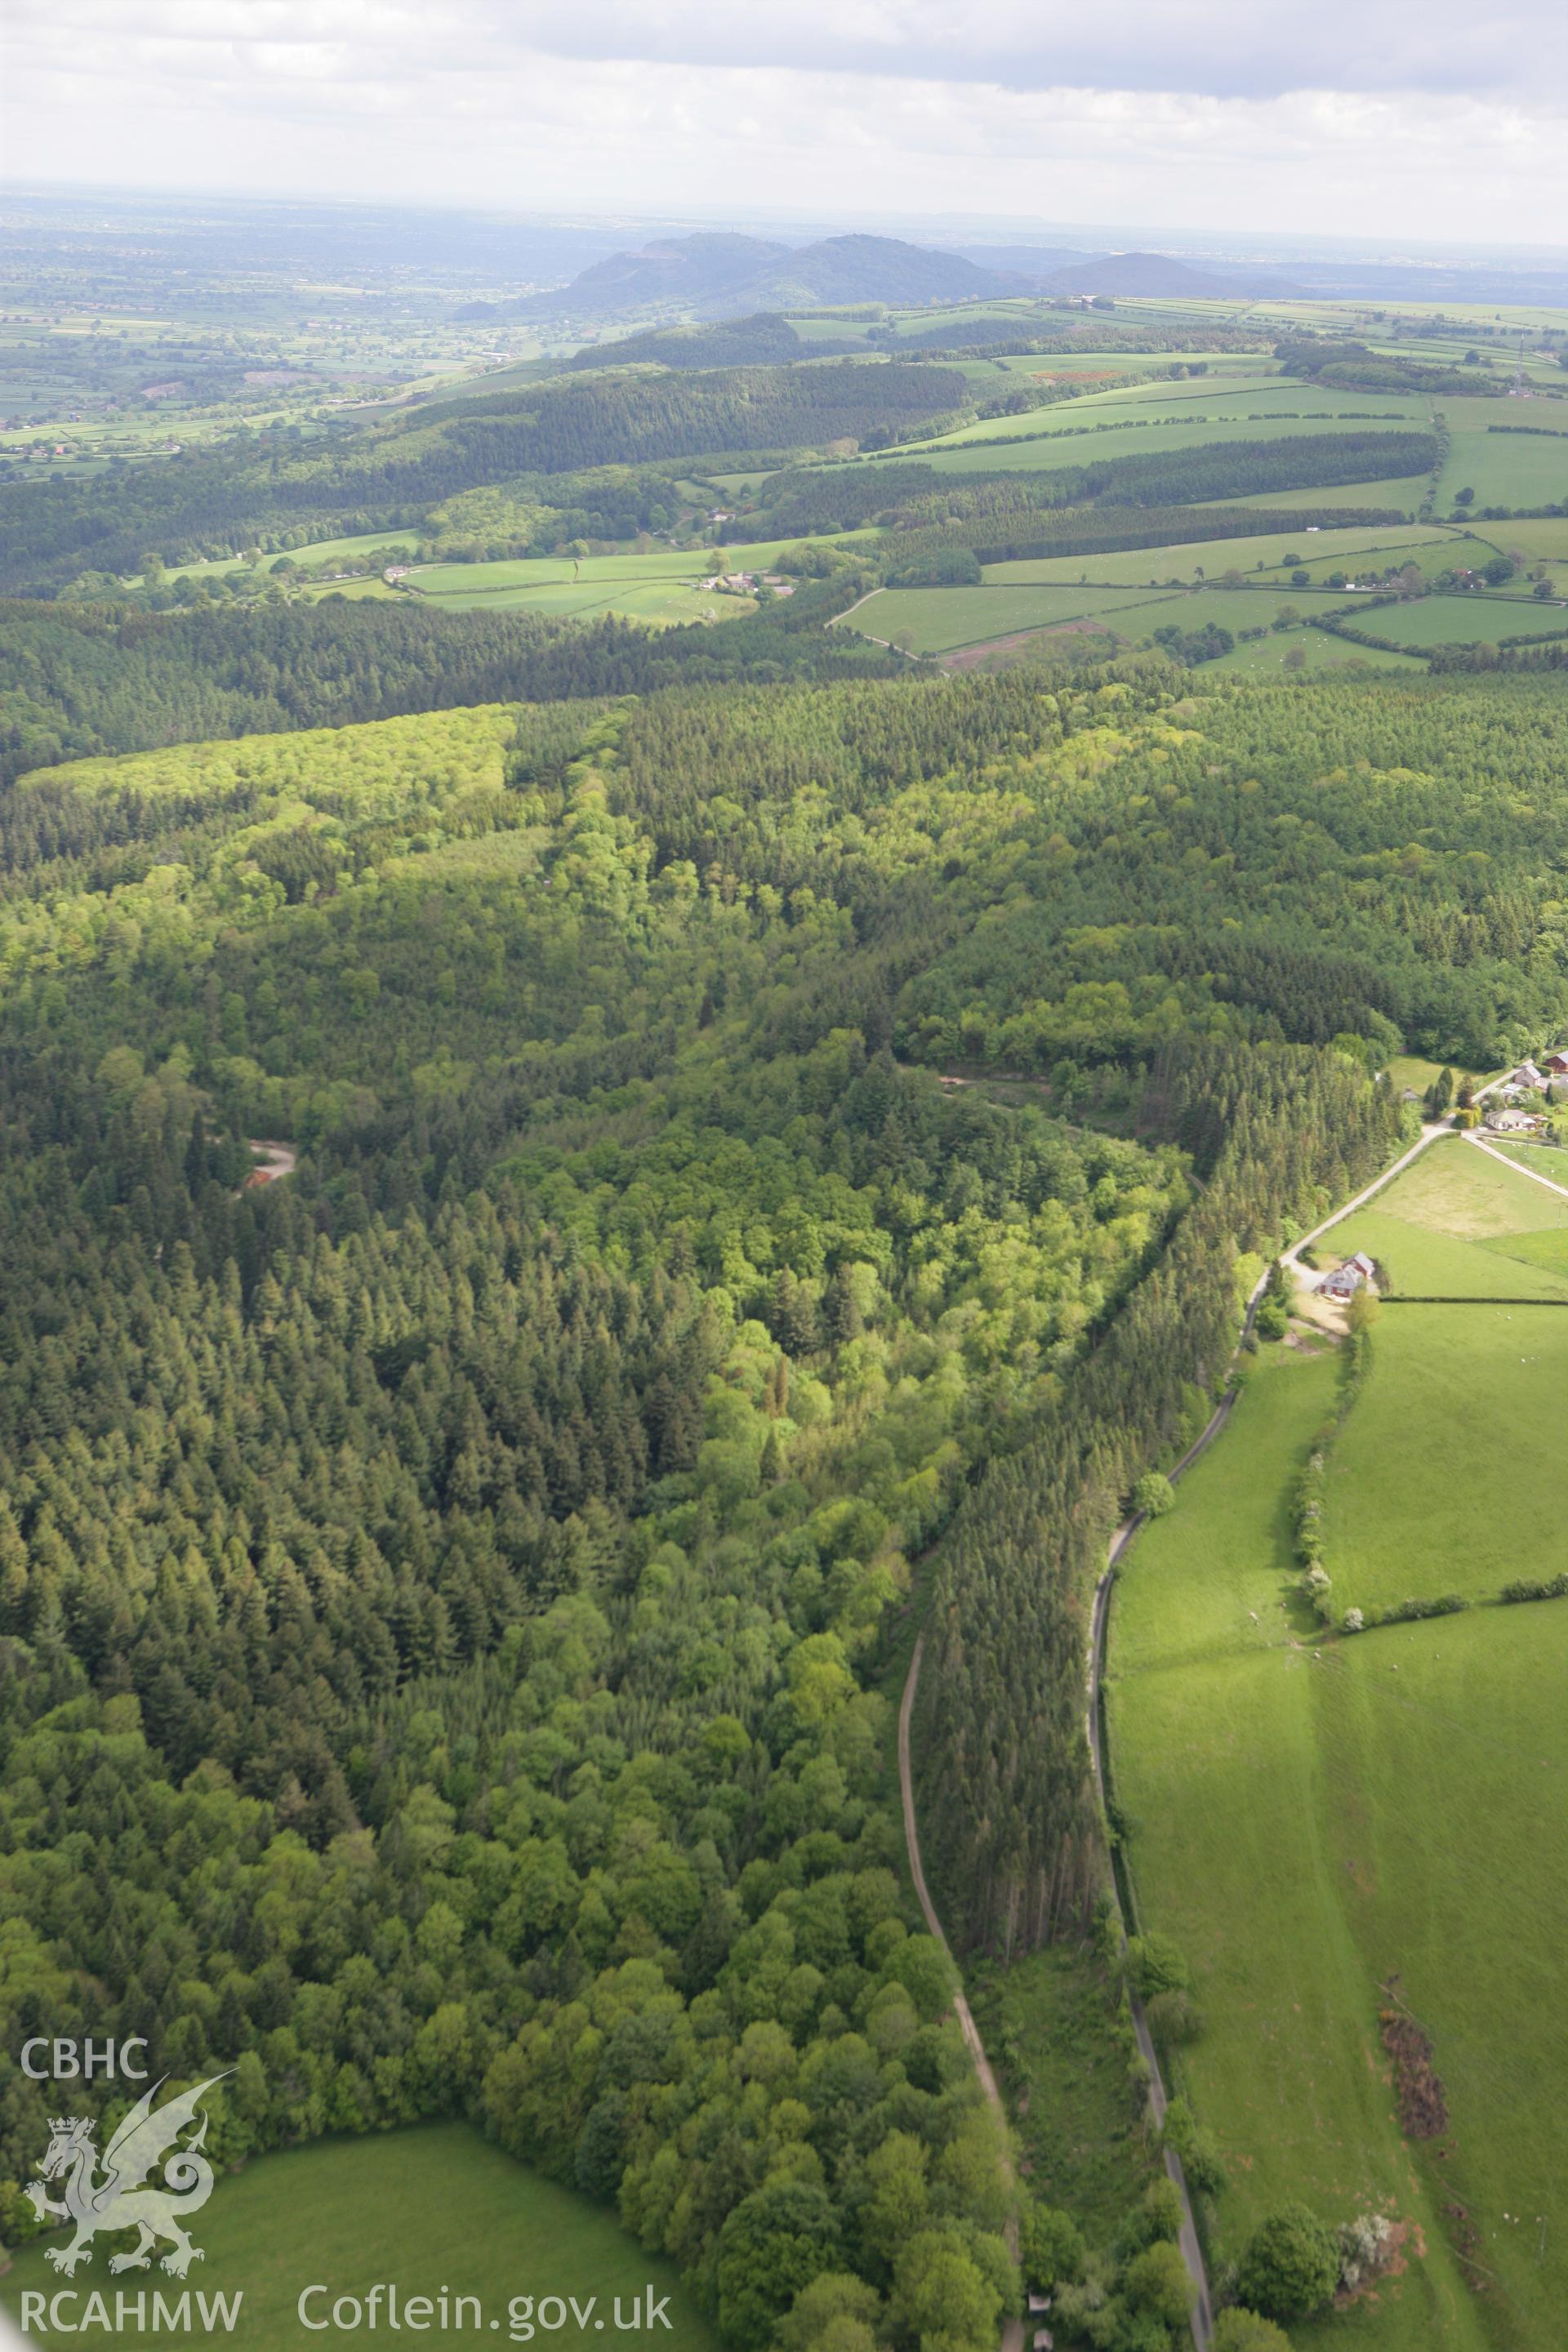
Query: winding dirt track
column 1012, row 2329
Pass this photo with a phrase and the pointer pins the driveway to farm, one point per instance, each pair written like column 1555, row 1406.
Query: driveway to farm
column 1429, row 1134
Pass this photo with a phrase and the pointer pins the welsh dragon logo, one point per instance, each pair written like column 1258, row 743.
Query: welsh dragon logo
column 121, row 2199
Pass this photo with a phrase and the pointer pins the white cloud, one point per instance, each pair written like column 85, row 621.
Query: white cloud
column 1392, row 119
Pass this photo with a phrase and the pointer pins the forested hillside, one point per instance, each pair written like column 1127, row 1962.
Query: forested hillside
column 383, row 477
column 76, row 680
column 447, row 1590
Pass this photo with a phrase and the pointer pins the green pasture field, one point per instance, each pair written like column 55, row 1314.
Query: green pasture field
column 1462, row 620
column 1134, row 364
column 1415, row 1070
column 1454, row 1189
column 942, row 620
column 1403, row 494
column 322, row 551
column 1547, row 1160
column 1430, row 548
column 1348, row 316
column 1215, row 1707
column 657, row 586
column 425, row 2209
column 356, row 592
column 644, row 600
column 1541, row 538
column 1263, row 554
column 1227, row 608
column 1189, row 408
column 1412, row 1506
column 1322, row 655
column 958, row 318
column 987, row 448
column 551, row 571
column 1507, row 469
column 1462, row 415
column 1421, row 1261
column 939, row 620
column 1445, row 1783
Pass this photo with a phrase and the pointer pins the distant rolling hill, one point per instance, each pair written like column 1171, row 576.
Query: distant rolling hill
column 1038, row 261
column 711, row 275
column 1155, row 274
column 725, row 276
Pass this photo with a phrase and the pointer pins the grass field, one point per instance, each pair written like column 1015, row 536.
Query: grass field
column 1454, row 1189
column 321, row 550
column 1264, row 554
column 1027, row 444
column 1423, row 1263
column 1446, row 1783
column 1221, row 365
column 1540, row 537
column 939, row 619
column 1227, row 608
column 1461, row 1224
column 1403, row 495
column 433, row 2208
column 1321, row 656
column 942, row 620
column 644, row 600
column 1234, row 1850
column 657, row 585
column 1254, row 407
column 1415, row 1507
column 1464, row 620
column 1504, row 469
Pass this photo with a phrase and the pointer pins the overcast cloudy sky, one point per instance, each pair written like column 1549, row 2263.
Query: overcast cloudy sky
column 1389, row 119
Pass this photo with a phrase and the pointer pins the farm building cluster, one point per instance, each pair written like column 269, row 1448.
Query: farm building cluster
column 1517, row 1107
column 742, row 583
column 1347, row 1279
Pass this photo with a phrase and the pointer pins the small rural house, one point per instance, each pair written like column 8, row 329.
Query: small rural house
column 1527, row 1075
column 1512, row 1121
column 1038, row 2304
column 1343, row 1282
column 1557, row 1064
column 1044, row 2340
column 1365, row 1266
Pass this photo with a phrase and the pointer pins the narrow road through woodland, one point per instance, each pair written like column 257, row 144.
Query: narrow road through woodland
column 1012, row 2329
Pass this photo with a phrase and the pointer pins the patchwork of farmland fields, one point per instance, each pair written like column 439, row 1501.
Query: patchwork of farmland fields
column 1335, row 1827
column 1028, row 444
column 946, row 620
